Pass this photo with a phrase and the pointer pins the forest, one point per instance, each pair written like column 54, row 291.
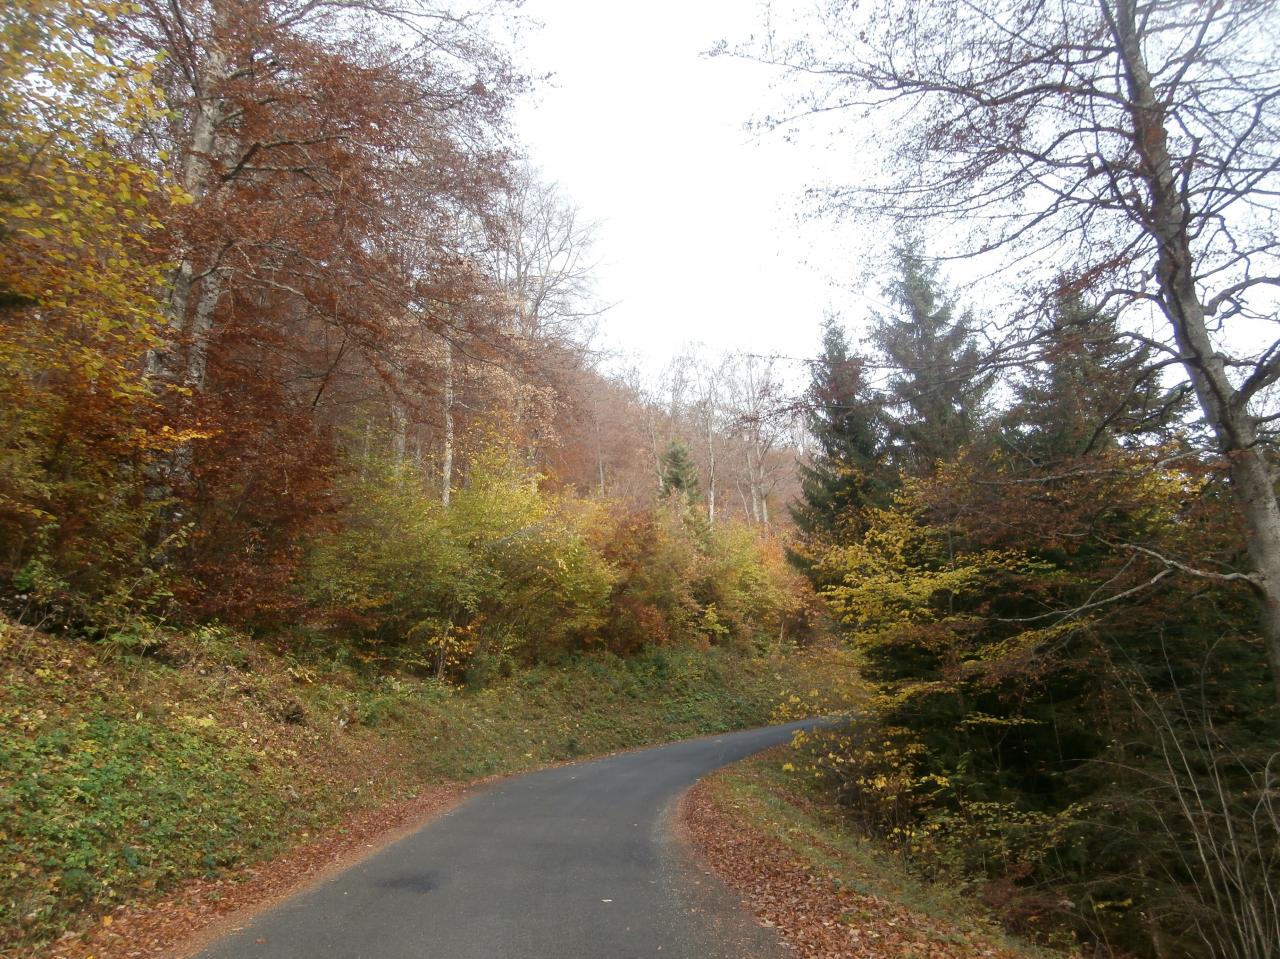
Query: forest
column 298, row 354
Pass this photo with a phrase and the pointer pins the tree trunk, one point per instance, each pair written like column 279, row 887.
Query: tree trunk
column 1224, row 408
column 446, row 453
column 194, row 321
column 657, row 453
column 711, row 472
column 399, row 430
column 755, row 479
column 599, row 454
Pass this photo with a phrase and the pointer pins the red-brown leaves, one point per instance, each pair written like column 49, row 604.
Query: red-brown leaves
column 817, row 918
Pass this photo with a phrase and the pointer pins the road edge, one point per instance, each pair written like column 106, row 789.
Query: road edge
column 199, row 912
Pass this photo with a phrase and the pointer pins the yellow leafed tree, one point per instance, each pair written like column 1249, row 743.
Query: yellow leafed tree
column 79, row 279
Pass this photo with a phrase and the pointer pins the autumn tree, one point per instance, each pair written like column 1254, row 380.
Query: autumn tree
column 80, row 278
column 1134, row 142
column 1029, row 675
column 329, row 151
column 275, row 106
column 602, row 445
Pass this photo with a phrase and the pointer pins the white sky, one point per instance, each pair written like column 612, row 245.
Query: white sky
column 701, row 238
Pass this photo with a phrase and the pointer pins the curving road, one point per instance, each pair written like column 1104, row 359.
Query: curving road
column 576, row 862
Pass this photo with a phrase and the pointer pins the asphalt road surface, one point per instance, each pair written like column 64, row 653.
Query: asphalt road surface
column 577, row 862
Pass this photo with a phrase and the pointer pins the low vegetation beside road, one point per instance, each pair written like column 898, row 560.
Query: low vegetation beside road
column 122, row 776
column 791, row 854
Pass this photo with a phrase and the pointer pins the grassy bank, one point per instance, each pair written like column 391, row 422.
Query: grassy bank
column 122, row 775
column 827, row 890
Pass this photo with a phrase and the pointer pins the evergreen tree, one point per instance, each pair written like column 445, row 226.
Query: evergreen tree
column 1090, row 391
column 845, row 472
column 679, row 473
column 937, row 391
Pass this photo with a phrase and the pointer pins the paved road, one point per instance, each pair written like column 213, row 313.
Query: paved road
column 570, row 863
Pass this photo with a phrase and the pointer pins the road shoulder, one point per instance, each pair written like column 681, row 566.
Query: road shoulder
column 824, row 898
column 203, row 910
column 728, row 929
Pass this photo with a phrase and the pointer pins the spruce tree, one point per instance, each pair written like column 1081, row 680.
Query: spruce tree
column 1091, row 389
column 679, row 473
column 844, row 473
column 939, row 384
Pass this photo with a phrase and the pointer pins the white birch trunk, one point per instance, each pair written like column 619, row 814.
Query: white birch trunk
column 194, row 321
column 446, row 453
column 711, row 472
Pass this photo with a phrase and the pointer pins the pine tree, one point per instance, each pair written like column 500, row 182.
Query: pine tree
column 679, row 473
column 937, row 391
column 845, row 472
column 1092, row 389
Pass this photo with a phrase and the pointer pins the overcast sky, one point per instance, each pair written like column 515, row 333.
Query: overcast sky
column 703, row 238
column 700, row 240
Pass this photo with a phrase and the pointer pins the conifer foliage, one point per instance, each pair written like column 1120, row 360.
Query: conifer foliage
column 1092, row 389
column 938, row 382
column 679, row 474
column 845, row 472
column 1051, row 705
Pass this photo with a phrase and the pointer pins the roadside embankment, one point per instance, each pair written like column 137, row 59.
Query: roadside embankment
column 830, row 893
column 196, row 778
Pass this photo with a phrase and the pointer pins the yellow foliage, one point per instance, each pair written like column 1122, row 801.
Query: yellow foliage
column 79, row 299
column 906, row 571
column 76, row 214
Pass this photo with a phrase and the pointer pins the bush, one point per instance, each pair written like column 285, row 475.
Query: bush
column 506, row 570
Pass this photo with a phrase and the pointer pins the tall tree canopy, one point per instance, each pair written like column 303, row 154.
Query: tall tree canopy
column 81, row 275
column 1134, row 142
column 938, row 379
column 1090, row 388
column 845, row 472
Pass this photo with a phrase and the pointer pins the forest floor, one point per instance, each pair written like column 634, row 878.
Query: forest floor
column 829, row 893
column 151, row 791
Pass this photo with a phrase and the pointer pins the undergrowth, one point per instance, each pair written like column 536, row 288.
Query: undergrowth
column 767, row 794
column 123, row 774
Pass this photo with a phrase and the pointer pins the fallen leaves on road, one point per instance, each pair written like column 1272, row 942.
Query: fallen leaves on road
column 815, row 917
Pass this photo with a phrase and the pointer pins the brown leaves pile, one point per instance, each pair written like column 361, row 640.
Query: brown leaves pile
column 815, row 917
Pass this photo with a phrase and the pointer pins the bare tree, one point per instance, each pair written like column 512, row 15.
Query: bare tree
column 707, row 412
column 1137, row 140
column 544, row 259
column 664, row 406
column 759, row 418
column 540, row 253
column 699, row 412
